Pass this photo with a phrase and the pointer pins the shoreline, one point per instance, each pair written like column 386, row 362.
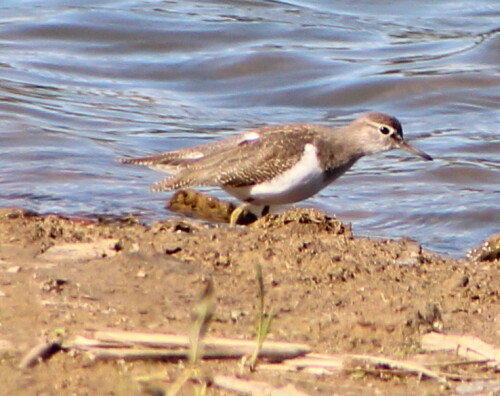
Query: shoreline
column 328, row 289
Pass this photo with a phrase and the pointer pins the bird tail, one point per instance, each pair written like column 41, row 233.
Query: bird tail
column 170, row 165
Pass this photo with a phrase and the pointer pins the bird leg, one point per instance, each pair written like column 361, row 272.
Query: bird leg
column 236, row 214
column 244, row 216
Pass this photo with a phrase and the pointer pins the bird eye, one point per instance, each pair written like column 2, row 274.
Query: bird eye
column 384, row 130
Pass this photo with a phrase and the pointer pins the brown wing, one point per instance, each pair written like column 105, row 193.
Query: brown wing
column 169, row 161
column 246, row 163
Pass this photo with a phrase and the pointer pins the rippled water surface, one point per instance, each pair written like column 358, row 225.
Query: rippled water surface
column 81, row 85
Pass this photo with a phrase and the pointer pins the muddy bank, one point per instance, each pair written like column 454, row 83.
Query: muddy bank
column 327, row 288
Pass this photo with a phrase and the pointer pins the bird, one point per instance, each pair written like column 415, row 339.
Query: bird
column 279, row 164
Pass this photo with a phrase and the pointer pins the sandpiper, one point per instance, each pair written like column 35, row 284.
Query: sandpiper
column 281, row 164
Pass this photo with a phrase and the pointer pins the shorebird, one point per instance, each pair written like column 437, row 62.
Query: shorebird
column 280, row 164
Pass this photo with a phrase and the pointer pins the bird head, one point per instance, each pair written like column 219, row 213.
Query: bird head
column 380, row 132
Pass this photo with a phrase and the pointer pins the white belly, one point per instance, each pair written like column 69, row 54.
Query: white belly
column 300, row 182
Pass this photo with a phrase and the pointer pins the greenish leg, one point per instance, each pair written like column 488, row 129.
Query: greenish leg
column 236, row 214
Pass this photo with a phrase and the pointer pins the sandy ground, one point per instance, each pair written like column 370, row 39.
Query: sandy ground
column 327, row 289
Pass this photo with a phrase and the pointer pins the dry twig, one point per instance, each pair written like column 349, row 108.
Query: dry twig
column 107, row 344
column 469, row 347
column 42, row 351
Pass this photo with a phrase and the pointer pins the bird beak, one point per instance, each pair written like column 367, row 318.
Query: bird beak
column 411, row 149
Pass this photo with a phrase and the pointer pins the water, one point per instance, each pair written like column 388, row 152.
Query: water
column 82, row 85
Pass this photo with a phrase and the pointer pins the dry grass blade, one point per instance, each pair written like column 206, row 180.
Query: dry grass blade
column 202, row 315
column 469, row 347
column 176, row 344
column 179, row 383
column 316, row 363
column 408, row 366
column 254, row 388
column 44, row 350
column 461, row 363
column 131, row 354
column 317, row 360
column 263, row 320
column 40, row 352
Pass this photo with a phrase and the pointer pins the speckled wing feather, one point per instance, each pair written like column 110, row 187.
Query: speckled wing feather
column 245, row 162
column 171, row 161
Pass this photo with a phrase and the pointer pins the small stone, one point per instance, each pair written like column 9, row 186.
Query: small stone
column 54, row 285
column 172, row 249
column 83, row 251
column 134, row 248
column 237, row 314
column 13, row 270
column 412, row 255
column 456, row 280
